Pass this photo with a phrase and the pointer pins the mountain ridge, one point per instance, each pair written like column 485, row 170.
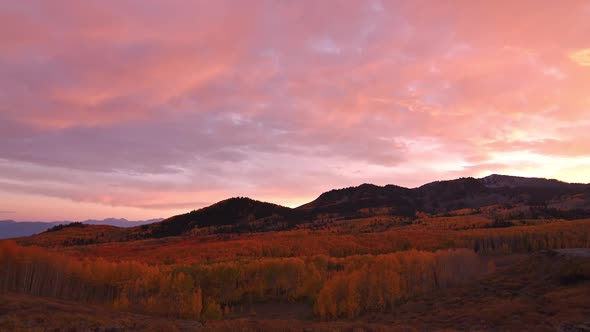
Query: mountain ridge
column 534, row 196
column 370, row 199
column 239, row 213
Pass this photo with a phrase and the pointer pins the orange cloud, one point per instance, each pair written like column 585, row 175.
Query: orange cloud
column 156, row 107
column 581, row 57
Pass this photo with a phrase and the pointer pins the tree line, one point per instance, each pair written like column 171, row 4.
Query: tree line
column 335, row 287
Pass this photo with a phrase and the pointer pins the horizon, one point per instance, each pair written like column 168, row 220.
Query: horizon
column 292, row 207
column 116, row 109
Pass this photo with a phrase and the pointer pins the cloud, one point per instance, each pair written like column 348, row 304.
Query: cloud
column 581, row 57
column 117, row 104
column 548, row 147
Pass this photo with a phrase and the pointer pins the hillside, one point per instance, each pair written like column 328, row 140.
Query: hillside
column 13, row 229
column 498, row 253
column 238, row 214
column 75, row 234
column 349, row 201
column 496, row 197
column 445, row 196
column 498, row 180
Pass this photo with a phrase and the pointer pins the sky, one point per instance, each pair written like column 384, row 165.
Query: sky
column 146, row 108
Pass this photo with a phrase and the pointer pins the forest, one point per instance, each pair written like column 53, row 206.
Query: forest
column 367, row 266
column 335, row 287
column 338, row 273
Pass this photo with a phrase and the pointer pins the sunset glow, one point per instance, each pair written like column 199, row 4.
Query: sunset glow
column 144, row 109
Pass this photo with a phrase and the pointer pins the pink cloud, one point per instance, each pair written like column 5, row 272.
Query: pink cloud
column 152, row 106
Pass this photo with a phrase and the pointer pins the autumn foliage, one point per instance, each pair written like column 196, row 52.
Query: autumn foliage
column 36, row 272
column 352, row 268
column 337, row 287
column 378, row 283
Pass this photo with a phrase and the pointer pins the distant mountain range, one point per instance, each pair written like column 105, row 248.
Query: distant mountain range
column 11, row 228
column 509, row 196
column 530, row 197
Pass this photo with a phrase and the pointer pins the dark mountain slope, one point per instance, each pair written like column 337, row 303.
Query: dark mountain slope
column 349, row 201
column 401, row 201
column 442, row 196
column 234, row 211
column 525, row 197
column 498, row 181
column 533, row 191
column 546, row 198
